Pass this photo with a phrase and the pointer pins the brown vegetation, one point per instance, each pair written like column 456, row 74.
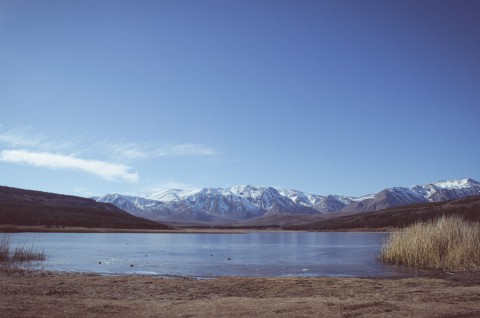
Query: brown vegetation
column 448, row 243
column 31, row 208
column 19, row 253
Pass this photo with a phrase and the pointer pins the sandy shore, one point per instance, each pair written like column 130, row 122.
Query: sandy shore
column 49, row 294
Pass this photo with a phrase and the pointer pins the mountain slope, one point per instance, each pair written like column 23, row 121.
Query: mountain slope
column 209, row 204
column 433, row 192
column 402, row 216
column 217, row 205
column 26, row 207
column 270, row 200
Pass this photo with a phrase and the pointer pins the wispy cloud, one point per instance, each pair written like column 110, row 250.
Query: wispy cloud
column 104, row 169
column 141, row 151
column 186, row 150
column 128, row 151
column 22, row 145
column 24, row 138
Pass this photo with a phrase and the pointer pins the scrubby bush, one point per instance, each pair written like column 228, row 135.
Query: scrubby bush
column 448, row 243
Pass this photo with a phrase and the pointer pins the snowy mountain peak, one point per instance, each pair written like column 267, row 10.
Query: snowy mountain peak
column 263, row 197
column 456, row 183
column 302, row 198
column 251, row 191
column 248, row 201
column 167, row 195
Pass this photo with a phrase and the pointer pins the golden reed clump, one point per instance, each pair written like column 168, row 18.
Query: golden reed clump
column 448, row 243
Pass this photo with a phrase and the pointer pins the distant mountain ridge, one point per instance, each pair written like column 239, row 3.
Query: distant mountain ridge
column 247, row 201
column 432, row 192
column 398, row 217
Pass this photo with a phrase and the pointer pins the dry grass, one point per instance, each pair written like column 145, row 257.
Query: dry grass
column 4, row 248
column 448, row 243
column 19, row 253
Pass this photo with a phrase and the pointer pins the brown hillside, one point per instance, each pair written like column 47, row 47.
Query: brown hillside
column 26, row 207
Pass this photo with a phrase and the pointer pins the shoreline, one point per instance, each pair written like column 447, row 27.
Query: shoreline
column 57, row 294
column 7, row 229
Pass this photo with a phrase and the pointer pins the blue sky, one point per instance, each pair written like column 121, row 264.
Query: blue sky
column 328, row 97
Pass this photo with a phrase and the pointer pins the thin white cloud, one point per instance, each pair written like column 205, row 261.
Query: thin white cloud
column 24, row 138
column 104, row 169
column 128, row 151
column 186, row 150
column 141, row 151
column 23, row 145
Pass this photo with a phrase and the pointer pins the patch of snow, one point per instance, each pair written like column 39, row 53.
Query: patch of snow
column 454, row 184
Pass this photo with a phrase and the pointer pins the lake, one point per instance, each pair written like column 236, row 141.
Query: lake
column 268, row 254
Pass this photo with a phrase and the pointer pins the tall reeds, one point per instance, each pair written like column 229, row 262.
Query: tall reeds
column 447, row 243
column 4, row 248
column 19, row 253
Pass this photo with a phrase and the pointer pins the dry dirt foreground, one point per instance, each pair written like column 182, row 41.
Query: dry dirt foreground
column 47, row 294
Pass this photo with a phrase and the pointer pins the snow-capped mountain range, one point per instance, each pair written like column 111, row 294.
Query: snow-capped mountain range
column 246, row 201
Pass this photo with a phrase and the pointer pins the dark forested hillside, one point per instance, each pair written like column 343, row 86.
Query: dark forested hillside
column 26, row 207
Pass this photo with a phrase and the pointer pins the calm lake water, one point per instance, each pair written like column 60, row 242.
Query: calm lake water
column 271, row 254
